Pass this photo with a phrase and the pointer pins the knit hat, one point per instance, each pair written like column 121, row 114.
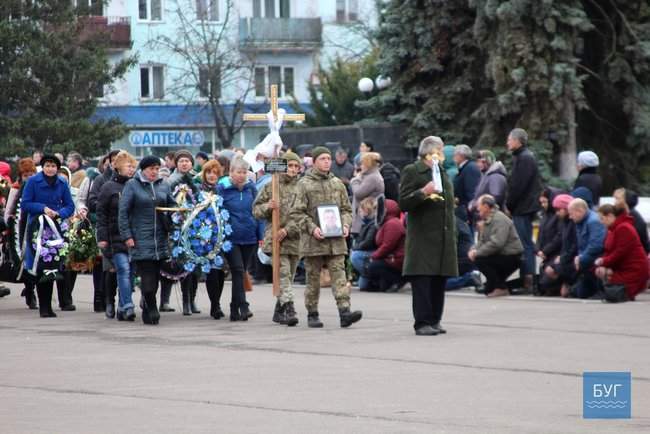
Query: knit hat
column 148, row 161
column 203, row 155
column 49, row 158
column 183, row 153
column 318, row 151
column 588, row 159
column 291, row 156
column 562, row 201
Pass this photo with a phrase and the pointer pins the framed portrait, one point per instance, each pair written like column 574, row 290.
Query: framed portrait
column 329, row 221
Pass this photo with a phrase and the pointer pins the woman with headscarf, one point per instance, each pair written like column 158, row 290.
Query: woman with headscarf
column 48, row 194
column 143, row 230
column 588, row 176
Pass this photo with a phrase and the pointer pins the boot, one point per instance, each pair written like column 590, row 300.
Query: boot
column 30, row 298
column 313, row 321
column 110, row 310
column 193, row 307
column 290, row 317
column 165, row 293
column 99, row 301
column 234, row 314
column 187, row 307
column 45, row 302
column 348, row 318
column 150, row 314
column 278, row 313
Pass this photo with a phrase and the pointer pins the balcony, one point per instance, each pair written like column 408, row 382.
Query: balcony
column 280, row 34
column 116, row 29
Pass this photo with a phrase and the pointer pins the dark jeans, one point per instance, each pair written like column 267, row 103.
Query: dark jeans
column 586, row 286
column 65, row 286
column 496, row 270
column 524, row 227
column 428, row 299
column 383, row 273
column 239, row 259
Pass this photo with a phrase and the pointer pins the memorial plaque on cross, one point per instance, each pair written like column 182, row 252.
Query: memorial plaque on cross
column 276, row 168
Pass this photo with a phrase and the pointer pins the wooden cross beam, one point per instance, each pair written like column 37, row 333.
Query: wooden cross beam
column 275, row 185
column 300, row 117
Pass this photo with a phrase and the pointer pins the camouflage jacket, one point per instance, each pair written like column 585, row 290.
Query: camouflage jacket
column 288, row 194
column 316, row 189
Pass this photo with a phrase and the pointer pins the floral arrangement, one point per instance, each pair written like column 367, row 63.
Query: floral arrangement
column 200, row 235
column 82, row 247
column 50, row 247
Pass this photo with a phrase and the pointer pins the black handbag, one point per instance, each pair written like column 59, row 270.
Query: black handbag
column 614, row 293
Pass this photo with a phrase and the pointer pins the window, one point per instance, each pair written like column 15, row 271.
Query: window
column 209, row 82
column 90, row 7
column 152, row 82
column 271, row 8
column 150, row 10
column 282, row 76
column 207, row 10
column 347, row 10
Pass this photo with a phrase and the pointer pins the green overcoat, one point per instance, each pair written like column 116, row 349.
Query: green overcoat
column 431, row 225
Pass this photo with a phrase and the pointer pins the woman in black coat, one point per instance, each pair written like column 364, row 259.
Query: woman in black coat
column 549, row 239
column 118, row 273
column 588, row 176
column 144, row 230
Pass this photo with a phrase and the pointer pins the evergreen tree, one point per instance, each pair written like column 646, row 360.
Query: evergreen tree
column 574, row 73
column 51, row 67
column 332, row 101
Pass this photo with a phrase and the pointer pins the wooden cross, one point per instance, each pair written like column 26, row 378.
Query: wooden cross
column 275, row 184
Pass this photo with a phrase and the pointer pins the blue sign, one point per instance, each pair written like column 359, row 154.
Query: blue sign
column 180, row 138
column 607, row 395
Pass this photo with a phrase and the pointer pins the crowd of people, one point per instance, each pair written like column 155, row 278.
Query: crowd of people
column 455, row 218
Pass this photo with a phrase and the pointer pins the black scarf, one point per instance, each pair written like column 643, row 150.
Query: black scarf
column 51, row 180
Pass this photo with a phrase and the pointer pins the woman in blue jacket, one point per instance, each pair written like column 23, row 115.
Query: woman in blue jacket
column 45, row 193
column 238, row 194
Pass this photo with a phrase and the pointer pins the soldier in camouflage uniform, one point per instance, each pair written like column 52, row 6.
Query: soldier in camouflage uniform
column 320, row 187
column 289, row 235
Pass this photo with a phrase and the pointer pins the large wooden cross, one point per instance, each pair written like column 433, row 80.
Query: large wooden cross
column 275, row 184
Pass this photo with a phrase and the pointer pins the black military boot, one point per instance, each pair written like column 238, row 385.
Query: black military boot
column 165, row 295
column 348, row 318
column 313, row 321
column 290, row 317
column 278, row 313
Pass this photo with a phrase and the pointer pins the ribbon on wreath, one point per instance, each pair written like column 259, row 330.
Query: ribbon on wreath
column 42, row 219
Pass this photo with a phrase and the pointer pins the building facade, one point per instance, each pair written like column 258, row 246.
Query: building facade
column 190, row 50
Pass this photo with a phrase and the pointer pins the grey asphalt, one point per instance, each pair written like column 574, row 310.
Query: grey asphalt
column 510, row 365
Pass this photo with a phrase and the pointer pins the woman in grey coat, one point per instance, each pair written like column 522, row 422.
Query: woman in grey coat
column 494, row 181
column 369, row 183
column 145, row 232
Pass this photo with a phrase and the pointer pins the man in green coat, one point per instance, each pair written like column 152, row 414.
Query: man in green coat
column 289, row 235
column 317, row 188
column 430, row 235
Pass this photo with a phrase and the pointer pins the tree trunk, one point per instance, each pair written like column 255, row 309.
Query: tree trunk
column 568, row 150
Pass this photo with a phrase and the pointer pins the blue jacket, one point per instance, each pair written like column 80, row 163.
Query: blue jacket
column 245, row 229
column 37, row 195
column 591, row 239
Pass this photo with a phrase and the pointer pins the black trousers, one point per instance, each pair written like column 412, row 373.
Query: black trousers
column 110, row 286
column 44, row 291
column 428, row 299
column 214, row 283
column 165, row 290
column 387, row 276
column 239, row 259
column 65, row 286
column 496, row 269
column 149, row 272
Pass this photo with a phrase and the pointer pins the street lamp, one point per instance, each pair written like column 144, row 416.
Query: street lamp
column 366, row 85
column 382, row 82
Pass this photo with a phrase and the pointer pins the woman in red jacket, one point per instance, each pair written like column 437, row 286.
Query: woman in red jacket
column 386, row 262
column 624, row 261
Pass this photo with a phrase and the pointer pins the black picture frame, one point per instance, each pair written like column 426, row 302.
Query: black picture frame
column 329, row 221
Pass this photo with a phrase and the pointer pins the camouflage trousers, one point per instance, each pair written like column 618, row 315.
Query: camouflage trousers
column 288, row 265
column 336, row 268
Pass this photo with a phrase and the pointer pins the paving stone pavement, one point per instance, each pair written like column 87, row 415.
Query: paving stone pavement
column 506, row 366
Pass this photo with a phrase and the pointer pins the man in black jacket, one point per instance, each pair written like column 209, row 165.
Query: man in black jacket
column 524, row 189
column 465, row 183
